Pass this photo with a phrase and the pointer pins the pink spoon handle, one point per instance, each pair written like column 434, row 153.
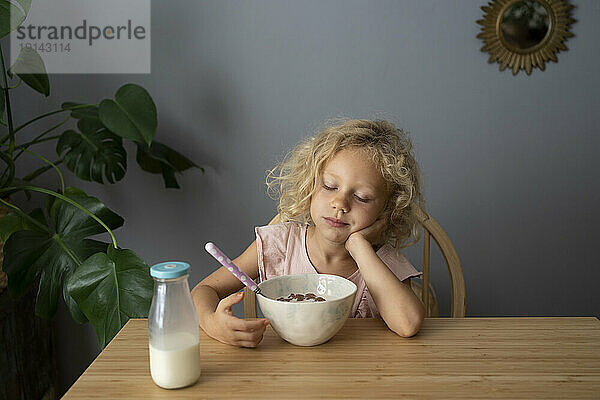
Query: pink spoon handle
column 227, row 263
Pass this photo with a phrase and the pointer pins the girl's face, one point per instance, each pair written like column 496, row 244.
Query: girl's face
column 351, row 196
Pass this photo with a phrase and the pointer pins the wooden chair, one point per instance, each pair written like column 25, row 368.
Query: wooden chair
column 428, row 297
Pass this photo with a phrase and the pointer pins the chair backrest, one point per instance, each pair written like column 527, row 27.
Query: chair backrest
column 457, row 282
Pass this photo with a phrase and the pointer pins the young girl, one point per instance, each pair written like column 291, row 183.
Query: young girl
column 349, row 197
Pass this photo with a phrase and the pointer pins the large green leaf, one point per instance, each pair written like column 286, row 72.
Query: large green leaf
column 93, row 152
column 161, row 159
column 111, row 288
column 11, row 16
column 131, row 115
column 28, row 253
column 30, row 67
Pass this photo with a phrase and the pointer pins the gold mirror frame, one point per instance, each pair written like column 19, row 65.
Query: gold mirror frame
column 559, row 15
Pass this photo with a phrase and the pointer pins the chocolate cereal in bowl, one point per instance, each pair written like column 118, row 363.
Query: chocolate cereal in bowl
column 306, row 309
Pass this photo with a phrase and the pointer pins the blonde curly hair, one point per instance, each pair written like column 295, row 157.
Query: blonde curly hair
column 294, row 180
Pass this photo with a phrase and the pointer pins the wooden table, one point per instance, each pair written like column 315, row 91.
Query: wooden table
column 461, row 358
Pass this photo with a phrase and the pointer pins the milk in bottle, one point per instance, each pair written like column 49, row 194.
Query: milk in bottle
column 173, row 328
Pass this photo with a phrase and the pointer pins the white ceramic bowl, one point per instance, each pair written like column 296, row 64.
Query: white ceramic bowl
column 307, row 323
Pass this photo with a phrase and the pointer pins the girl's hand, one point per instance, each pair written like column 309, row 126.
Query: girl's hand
column 228, row 329
column 372, row 234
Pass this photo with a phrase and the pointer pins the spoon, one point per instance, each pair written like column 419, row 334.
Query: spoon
column 231, row 267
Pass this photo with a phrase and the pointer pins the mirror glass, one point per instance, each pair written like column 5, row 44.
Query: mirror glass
column 525, row 24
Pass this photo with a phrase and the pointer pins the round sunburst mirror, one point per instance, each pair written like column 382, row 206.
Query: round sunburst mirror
column 524, row 34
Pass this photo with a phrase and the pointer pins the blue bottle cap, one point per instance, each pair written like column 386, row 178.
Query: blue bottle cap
column 169, row 269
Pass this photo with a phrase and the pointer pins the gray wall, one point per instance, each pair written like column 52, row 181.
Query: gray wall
column 509, row 163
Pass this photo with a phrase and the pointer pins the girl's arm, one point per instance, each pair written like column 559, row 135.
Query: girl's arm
column 401, row 310
column 215, row 295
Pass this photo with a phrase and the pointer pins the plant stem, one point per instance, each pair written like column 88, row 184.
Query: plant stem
column 62, row 181
column 35, row 140
column 11, row 131
column 38, row 118
column 18, row 128
column 68, row 200
column 22, row 146
column 40, row 171
column 10, row 167
column 44, row 116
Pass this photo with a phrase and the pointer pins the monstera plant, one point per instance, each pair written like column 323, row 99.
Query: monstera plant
column 51, row 246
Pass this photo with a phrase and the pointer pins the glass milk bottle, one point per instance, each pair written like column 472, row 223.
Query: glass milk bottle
column 173, row 328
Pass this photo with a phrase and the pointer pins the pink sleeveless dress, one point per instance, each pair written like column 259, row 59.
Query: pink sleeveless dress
column 282, row 250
